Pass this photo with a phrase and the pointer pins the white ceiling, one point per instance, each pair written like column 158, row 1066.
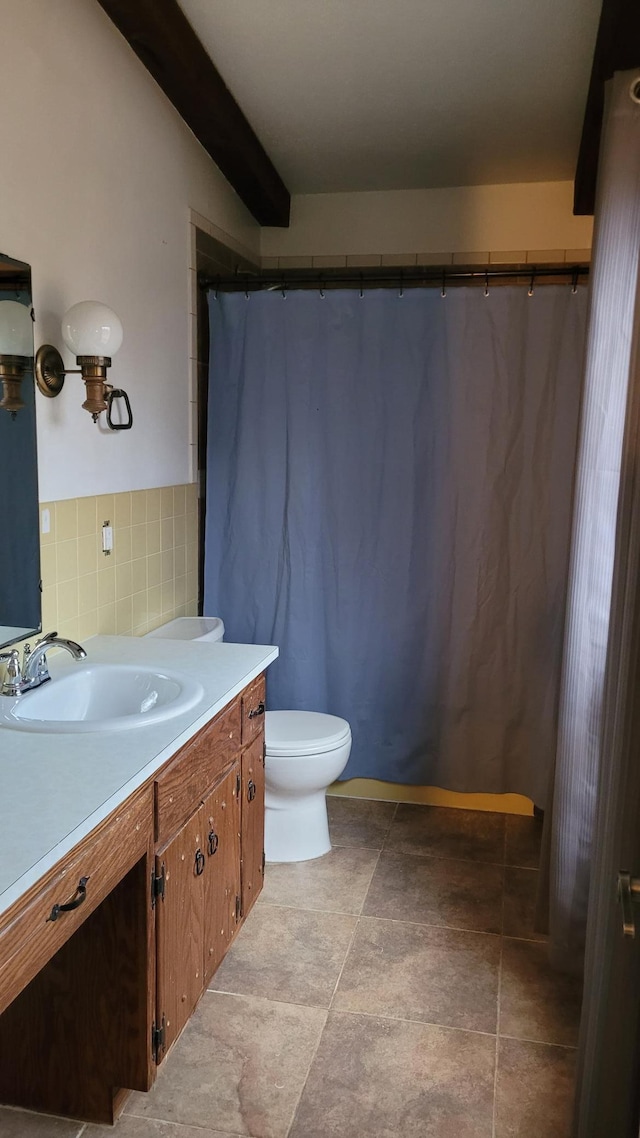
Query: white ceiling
column 406, row 94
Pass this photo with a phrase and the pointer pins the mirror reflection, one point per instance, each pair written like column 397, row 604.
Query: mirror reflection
column 19, row 538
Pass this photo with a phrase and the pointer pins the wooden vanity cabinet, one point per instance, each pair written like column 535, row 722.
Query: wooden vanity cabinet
column 93, row 999
column 210, row 859
column 198, row 883
column 222, row 907
column 253, row 759
column 77, row 982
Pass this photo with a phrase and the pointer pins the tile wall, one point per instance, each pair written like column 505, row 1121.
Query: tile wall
column 149, row 578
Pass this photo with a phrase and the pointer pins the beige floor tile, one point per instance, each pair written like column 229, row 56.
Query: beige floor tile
column 293, row 955
column 534, row 1090
column 381, row 1078
column 520, row 896
column 130, row 1127
column 536, row 1002
column 524, row 836
column 359, row 821
column 417, row 972
column 437, row 891
column 239, row 1067
column 23, row 1124
column 442, row 832
column 336, row 883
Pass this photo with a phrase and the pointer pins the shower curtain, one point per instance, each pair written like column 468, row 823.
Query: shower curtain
column 388, row 499
column 569, row 824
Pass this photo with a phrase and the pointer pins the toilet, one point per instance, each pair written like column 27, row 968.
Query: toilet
column 305, row 752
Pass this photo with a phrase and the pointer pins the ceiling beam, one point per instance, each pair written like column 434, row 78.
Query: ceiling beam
column 617, row 49
column 162, row 37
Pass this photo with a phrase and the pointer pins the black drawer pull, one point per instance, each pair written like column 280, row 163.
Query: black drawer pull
column 213, row 842
column 199, row 866
column 69, row 906
column 255, row 711
column 251, row 790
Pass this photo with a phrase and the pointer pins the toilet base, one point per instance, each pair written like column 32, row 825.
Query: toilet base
column 295, row 830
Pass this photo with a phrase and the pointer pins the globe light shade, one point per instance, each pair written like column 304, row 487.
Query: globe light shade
column 16, row 329
column 92, row 329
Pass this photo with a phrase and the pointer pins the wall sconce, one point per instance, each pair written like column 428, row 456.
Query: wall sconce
column 93, row 332
column 16, row 351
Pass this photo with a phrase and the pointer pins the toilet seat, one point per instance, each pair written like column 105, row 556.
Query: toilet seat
column 291, row 734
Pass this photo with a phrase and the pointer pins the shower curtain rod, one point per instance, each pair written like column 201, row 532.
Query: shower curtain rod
column 410, row 278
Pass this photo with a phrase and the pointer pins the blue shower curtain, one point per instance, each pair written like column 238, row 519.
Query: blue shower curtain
column 389, row 487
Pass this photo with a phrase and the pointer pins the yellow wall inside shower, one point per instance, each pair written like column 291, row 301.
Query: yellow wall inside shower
column 432, row 796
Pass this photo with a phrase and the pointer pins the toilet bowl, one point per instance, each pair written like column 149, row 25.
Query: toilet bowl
column 305, row 752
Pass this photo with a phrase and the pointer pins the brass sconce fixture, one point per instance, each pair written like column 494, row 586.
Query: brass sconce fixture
column 93, row 333
column 16, row 340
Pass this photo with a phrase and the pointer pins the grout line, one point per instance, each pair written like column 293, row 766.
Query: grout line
column 498, row 1006
column 346, row 1012
column 417, row 1022
column 373, row 873
column 397, row 920
column 344, row 962
column 389, row 827
column 445, row 857
column 306, row 1078
column 542, row 1042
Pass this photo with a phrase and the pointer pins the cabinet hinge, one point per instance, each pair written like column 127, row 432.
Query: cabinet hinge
column 264, row 754
column 238, row 908
column 264, row 860
column 158, row 1040
column 238, row 784
column 157, row 886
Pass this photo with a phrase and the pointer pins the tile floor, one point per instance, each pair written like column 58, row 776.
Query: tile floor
column 393, row 989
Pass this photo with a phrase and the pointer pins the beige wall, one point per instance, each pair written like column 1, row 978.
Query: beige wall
column 482, row 219
column 98, row 174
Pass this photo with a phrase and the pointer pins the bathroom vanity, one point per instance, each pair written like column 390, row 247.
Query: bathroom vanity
column 128, row 862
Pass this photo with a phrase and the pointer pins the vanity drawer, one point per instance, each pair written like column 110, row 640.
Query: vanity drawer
column 184, row 782
column 101, row 861
column 253, row 709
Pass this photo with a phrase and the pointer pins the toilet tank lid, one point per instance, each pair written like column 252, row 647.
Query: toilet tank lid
column 303, row 732
column 191, row 628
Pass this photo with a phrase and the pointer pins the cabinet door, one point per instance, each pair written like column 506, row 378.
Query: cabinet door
column 252, row 811
column 221, row 821
column 179, row 922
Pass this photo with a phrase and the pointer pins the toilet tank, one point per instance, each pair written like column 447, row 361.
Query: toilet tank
column 191, row 628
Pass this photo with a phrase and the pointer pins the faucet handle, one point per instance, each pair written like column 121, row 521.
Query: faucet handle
column 13, row 672
column 47, row 636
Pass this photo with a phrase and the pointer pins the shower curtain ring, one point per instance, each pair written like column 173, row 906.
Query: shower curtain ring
column 361, row 288
column 215, row 295
column 443, row 291
column 321, row 289
column 401, row 292
column 486, row 282
column 574, row 283
column 283, row 290
column 530, row 290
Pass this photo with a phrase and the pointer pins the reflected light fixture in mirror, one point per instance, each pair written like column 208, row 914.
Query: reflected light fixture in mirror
column 16, row 340
column 93, row 332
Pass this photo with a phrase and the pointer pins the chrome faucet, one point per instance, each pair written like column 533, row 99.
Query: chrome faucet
column 34, row 669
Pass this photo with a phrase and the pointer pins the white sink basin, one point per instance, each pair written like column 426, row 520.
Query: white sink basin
column 102, row 697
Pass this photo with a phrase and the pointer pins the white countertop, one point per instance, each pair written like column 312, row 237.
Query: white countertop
column 54, row 789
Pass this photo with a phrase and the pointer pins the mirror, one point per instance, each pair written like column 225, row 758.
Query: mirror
column 19, row 516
